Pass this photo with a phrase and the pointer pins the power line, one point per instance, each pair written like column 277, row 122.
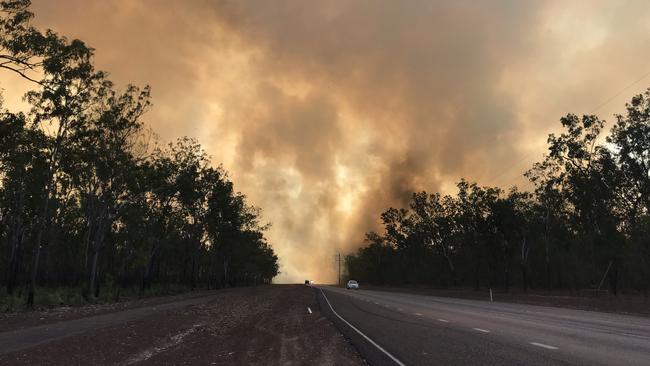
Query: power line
column 602, row 104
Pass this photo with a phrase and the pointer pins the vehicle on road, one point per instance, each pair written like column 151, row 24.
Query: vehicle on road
column 352, row 285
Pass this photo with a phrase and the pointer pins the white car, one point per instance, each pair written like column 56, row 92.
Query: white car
column 352, row 285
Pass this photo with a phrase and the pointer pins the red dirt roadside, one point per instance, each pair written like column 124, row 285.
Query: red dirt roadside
column 267, row 325
column 24, row 319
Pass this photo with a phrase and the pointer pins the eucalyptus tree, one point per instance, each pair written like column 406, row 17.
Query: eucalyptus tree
column 23, row 49
column 21, row 167
column 74, row 177
column 435, row 218
column 508, row 218
column 191, row 162
column 630, row 137
column 100, row 158
column 63, row 72
column 575, row 172
column 473, row 213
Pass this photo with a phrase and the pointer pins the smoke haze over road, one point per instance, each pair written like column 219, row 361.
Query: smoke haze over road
column 327, row 112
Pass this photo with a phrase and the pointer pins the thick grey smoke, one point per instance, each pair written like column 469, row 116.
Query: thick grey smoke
column 328, row 112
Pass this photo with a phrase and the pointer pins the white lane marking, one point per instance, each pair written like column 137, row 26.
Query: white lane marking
column 400, row 309
column 481, row 330
column 308, row 309
column 543, row 345
column 400, row 363
column 443, row 320
column 376, row 303
column 418, row 314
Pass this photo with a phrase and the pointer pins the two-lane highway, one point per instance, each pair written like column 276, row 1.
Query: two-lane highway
column 393, row 328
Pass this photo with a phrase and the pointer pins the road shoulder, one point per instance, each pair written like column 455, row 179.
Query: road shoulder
column 250, row 326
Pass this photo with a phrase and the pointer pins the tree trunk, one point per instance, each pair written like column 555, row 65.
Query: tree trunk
column 547, row 269
column 16, row 237
column 93, row 271
column 524, row 263
column 193, row 283
column 450, row 264
column 148, row 272
column 613, row 277
column 37, row 245
column 16, row 241
column 225, row 271
column 524, row 277
column 97, row 243
column 506, row 278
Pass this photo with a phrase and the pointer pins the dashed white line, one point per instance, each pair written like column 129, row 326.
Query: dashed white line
column 481, row 330
column 308, row 309
column 443, row 320
column 418, row 314
column 400, row 309
column 543, row 345
column 400, row 363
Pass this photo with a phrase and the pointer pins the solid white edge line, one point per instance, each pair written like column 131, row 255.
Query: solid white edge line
column 308, row 309
column 543, row 345
column 361, row 333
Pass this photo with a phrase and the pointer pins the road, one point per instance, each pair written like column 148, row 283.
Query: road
column 427, row 330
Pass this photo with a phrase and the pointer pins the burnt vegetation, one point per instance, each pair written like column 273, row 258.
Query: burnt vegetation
column 584, row 228
column 89, row 201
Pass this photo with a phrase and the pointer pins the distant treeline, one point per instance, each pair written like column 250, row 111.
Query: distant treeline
column 86, row 199
column 585, row 226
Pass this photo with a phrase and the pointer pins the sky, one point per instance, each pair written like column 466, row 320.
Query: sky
column 326, row 113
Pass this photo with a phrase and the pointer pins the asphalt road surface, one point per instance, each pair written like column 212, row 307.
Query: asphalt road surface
column 404, row 329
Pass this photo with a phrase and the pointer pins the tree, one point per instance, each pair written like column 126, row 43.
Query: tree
column 21, row 164
column 631, row 138
column 80, row 184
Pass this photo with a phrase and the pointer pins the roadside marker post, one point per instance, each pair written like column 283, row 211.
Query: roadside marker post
column 491, row 299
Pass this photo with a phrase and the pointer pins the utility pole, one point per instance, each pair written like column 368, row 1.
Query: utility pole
column 338, row 259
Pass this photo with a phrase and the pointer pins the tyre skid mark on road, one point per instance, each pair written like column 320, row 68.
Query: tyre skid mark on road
column 543, row 345
column 481, row 330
